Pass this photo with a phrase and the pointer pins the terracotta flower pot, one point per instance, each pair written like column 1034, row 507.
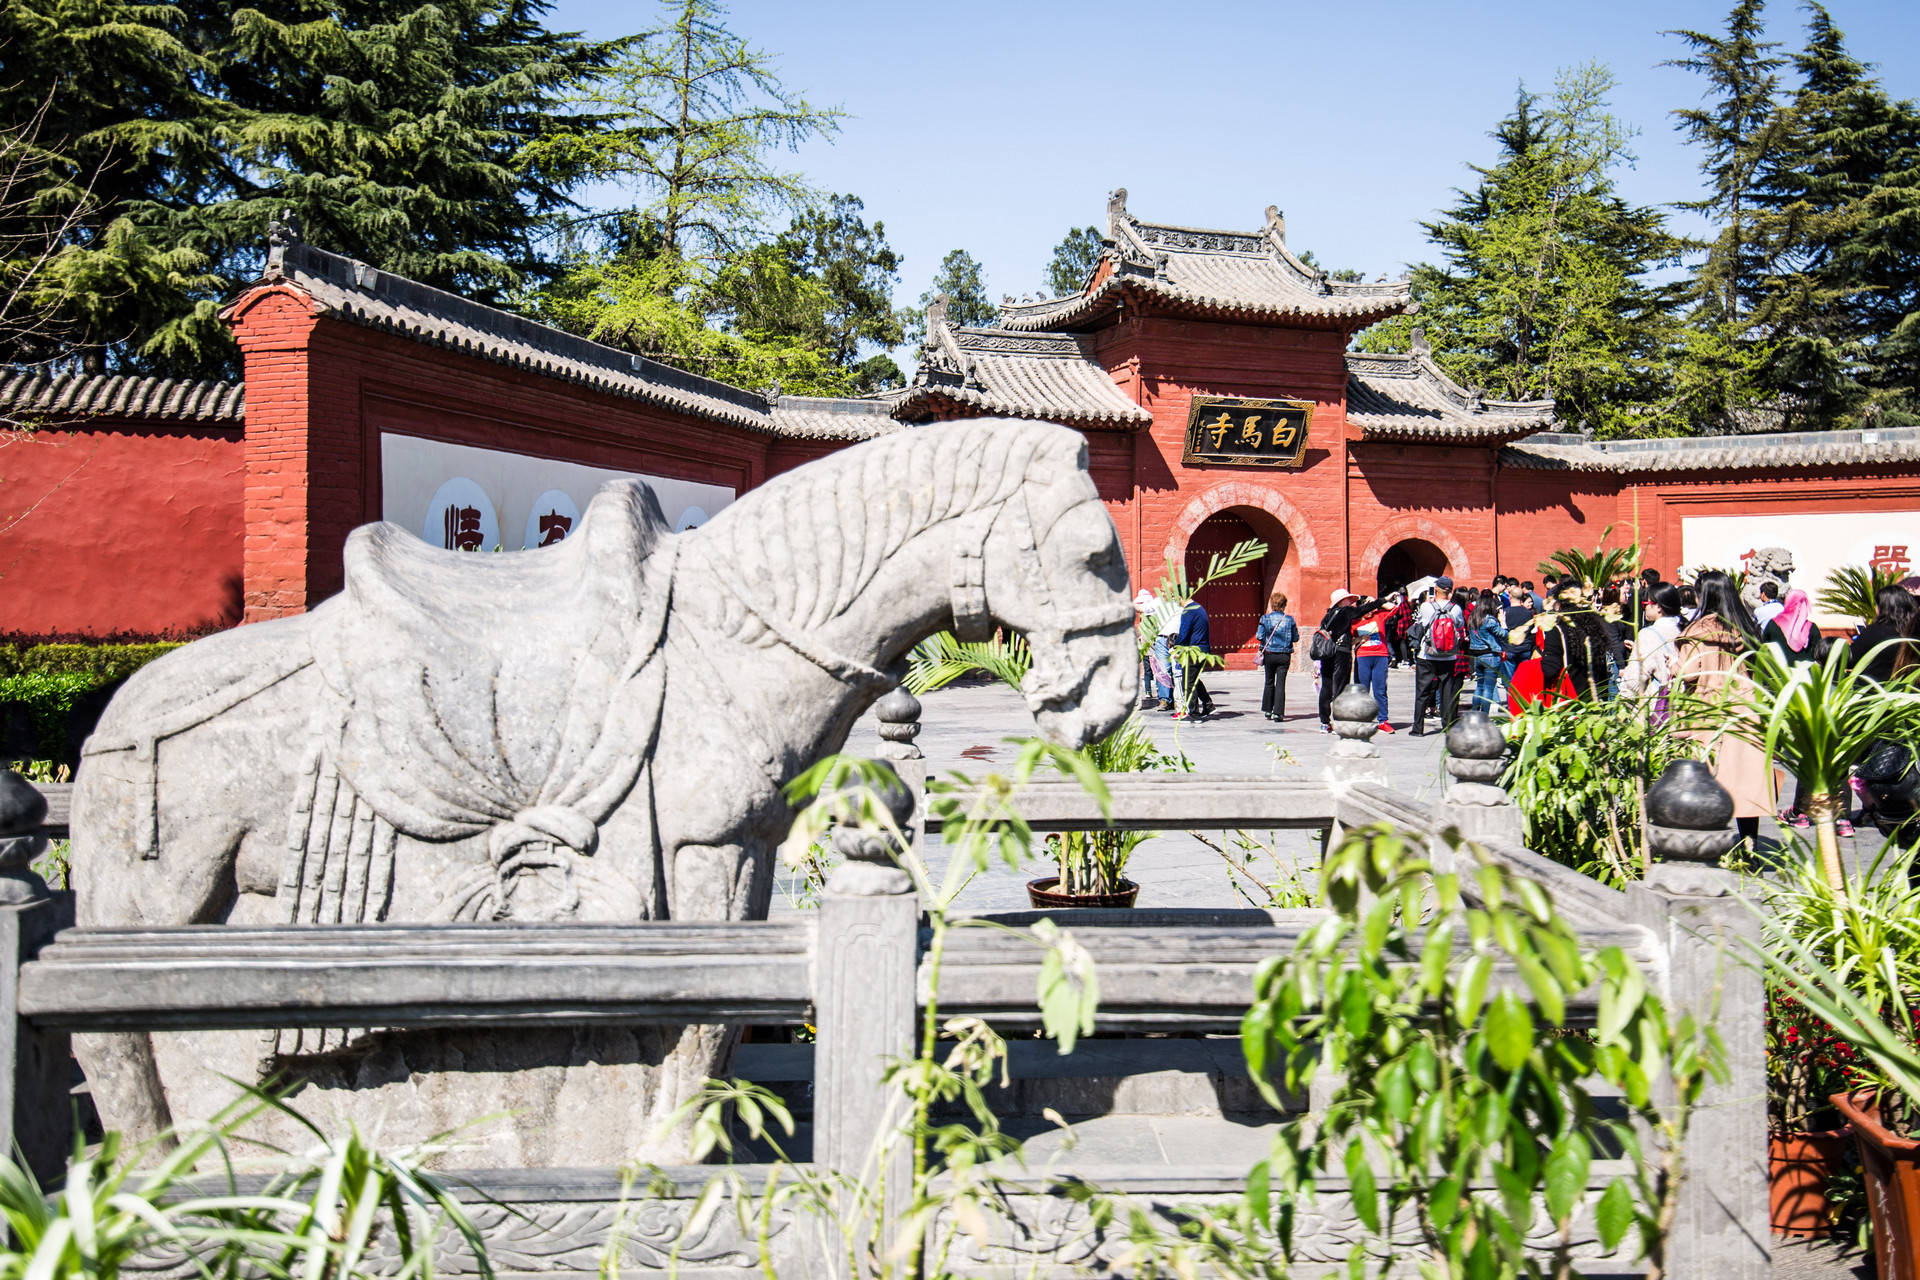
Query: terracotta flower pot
column 1890, row 1165
column 1045, row 896
column 1798, row 1166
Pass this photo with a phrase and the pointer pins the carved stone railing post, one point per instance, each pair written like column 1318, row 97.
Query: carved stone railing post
column 1473, row 802
column 899, row 716
column 1707, row 932
column 34, row 1109
column 865, row 969
column 1354, row 758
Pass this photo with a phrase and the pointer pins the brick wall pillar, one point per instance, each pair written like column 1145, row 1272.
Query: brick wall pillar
column 303, row 463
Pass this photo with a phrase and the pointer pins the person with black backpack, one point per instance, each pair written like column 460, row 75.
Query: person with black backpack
column 1332, row 648
column 1439, row 630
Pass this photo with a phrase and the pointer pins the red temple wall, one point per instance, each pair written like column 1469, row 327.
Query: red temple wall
column 124, row 526
column 1540, row 512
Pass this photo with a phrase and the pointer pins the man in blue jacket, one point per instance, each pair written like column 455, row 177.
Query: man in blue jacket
column 1193, row 631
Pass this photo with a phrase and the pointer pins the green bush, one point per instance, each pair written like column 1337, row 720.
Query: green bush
column 49, row 698
column 103, row 661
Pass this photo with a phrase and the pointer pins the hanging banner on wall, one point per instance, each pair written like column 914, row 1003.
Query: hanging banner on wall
column 470, row 499
column 1820, row 542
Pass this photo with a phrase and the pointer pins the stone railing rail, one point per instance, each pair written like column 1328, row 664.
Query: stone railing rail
column 857, row 970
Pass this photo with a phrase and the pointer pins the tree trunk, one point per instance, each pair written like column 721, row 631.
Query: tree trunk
column 1824, row 809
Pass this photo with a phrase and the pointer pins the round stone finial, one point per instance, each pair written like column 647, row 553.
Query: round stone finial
column 22, row 810
column 1476, row 749
column 899, row 716
column 858, row 844
column 1356, row 716
column 1688, row 814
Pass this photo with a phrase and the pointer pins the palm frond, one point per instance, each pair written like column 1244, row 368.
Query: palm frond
column 939, row 660
column 1852, row 591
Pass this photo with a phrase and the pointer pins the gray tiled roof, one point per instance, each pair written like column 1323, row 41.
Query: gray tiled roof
column 1854, row 448
column 357, row 292
column 1407, row 397
column 1236, row 274
column 1024, row 375
column 824, row 418
column 98, row 395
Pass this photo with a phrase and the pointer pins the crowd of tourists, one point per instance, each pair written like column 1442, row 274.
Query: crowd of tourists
column 1512, row 643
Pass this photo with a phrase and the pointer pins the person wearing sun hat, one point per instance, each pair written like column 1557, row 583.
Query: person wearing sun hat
column 1343, row 610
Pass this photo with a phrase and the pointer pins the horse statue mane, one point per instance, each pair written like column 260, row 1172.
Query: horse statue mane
column 806, row 544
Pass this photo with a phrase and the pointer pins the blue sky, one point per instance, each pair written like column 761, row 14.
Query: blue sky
column 995, row 125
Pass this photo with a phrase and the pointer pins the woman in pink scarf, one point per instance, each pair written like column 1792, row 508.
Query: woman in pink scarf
column 1792, row 630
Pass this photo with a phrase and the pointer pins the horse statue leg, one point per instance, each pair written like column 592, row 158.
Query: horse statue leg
column 212, row 844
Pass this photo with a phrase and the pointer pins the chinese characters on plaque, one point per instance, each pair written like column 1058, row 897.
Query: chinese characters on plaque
column 1247, row 433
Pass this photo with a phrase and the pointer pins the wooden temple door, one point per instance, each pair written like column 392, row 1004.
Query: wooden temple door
column 1233, row 604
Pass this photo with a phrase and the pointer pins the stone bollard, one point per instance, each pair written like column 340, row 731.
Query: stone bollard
column 36, row 1109
column 1473, row 802
column 1354, row 758
column 1709, row 933
column 867, row 967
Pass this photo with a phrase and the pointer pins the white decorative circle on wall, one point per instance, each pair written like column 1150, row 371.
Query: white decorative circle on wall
column 460, row 518
column 552, row 518
column 691, row 518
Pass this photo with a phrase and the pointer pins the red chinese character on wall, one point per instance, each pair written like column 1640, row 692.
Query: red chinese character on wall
column 553, row 527
column 463, row 528
column 1890, row 558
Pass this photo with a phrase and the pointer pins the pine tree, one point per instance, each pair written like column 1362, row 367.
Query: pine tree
column 399, row 131
column 1074, row 259
column 964, row 281
column 1738, row 128
column 1546, row 290
column 694, row 114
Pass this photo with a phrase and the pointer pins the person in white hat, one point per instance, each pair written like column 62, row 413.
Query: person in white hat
column 1336, row 662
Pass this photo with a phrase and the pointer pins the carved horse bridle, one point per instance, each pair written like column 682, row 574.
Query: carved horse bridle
column 972, row 616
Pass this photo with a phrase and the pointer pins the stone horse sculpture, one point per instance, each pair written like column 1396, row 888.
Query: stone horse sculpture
column 597, row 730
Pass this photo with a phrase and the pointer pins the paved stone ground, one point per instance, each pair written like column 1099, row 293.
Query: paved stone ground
column 965, row 730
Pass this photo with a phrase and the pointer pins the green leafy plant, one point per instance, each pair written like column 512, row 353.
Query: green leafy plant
column 1579, row 771
column 1852, row 591
column 318, row 1216
column 105, row 661
column 1819, row 719
column 1093, row 862
column 49, row 698
column 1460, row 1105
column 1594, row 569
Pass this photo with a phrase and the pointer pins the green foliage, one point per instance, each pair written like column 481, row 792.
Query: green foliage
column 105, row 661
column 399, row 132
column 1579, row 771
column 49, row 699
column 1548, row 289
column 1459, row 1101
column 1865, row 931
column 690, row 113
column 1096, row 861
column 1596, row 569
column 1074, row 259
column 1819, row 719
column 318, row 1218
column 1736, row 130
column 1852, row 591
column 963, row 282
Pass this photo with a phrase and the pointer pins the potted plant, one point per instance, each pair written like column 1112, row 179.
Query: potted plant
column 1091, row 865
column 1807, row 1139
column 1849, row 955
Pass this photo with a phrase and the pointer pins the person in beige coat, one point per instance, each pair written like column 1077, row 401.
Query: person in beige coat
column 1710, row 649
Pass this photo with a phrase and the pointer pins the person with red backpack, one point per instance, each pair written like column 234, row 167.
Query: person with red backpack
column 1438, row 630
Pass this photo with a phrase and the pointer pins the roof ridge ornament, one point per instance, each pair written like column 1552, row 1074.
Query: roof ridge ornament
column 282, row 230
column 1417, row 343
column 1116, row 212
column 1277, row 223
